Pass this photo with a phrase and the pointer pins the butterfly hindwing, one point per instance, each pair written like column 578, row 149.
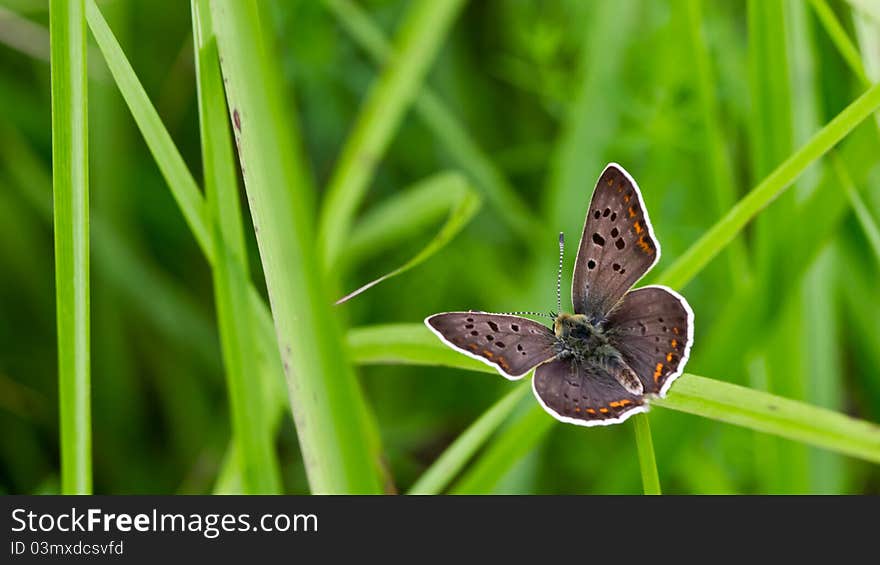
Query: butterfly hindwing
column 652, row 328
column 583, row 393
column 617, row 246
column 511, row 344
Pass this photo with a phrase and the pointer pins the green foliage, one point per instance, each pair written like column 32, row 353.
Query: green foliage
column 325, row 398
column 70, row 160
column 763, row 149
column 253, row 435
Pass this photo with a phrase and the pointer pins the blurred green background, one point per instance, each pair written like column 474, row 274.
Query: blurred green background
column 698, row 100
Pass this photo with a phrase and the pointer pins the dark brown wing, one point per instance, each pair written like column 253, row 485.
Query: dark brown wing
column 617, row 246
column 511, row 344
column 583, row 394
column 653, row 328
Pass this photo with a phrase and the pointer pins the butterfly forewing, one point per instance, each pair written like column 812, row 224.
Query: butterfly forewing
column 511, row 344
column 617, row 246
column 583, row 394
column 652, row 327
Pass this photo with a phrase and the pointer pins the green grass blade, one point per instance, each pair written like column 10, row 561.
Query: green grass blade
column 775, row 415
column 592, row 118
column 713, row 241
column 824, row 362
column 409, row 344
column 229, row 479
column 841, row 40
column 507, row 449
column 259, row 466
column 457, row 142
column 869, row 226
column 421, row 34
column 154, row 295
column 327, row 403
column 403, row 216
column 868, row 8
column 180, row 182
column 183, row 187
column 647, row 461
column 868, row 38
column 718, row 160
column 70, row 180
column 414, row 344
column 465, row 203
column 443, row 471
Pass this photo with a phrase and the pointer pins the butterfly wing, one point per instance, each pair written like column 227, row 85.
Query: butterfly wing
column 583, row 394
column 511, row 344
column 653, row 328
column 617, row 246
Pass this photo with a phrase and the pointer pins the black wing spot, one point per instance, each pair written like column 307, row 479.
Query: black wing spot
column 493, row 325
column 660, row 320
column 470, row 319
column 656, row 339
column 606, row 212
column 665, row 329
column 499, row 344
column 475, row 332
column 622, row 271
column 514, row 327
column 519, row 347
column 598, row 239
column 613, row 216
column 620, row 244
column 614, row 232
column 489, row 337
column 591, row 264
column 469, row 326
column 596, row 214
column 616, row 267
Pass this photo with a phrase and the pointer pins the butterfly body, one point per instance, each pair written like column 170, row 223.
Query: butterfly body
column 586, row 343
column 600, row 364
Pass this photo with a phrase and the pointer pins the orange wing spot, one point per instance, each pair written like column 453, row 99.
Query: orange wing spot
column 675, row 331
column 488, row 353
column 674, row 343
column 620, row 403
column 576, row 409
column 591, row 411
column 610, row 182
column 625, row 401
column 643, row 245
column 614, row 404
column 658, row 370
column 503, row 362
column 603, row 410
column 638, row 227
column 632, row 211
column 626, row 197
column 474, row 346
column 669, row 357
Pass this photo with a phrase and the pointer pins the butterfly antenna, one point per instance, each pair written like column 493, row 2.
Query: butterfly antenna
column 559, row 272
column 541, row 314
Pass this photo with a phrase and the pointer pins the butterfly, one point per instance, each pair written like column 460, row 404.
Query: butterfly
column 620, row 347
